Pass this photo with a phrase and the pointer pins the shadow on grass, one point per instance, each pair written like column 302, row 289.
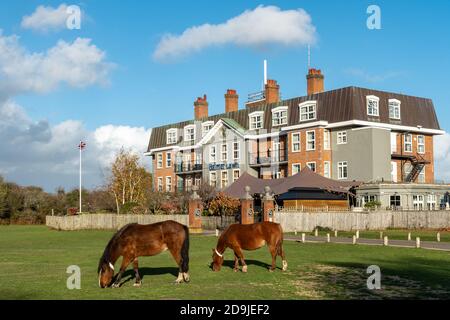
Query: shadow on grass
column 143, row 272
column 408, row 278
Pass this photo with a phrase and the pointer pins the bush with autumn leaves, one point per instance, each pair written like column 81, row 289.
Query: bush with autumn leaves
column 222, row 205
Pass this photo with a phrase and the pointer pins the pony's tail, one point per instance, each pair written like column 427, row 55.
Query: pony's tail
column 185, row 251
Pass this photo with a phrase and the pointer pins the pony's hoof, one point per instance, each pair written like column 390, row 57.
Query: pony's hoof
column 285, row 265
column 270, row 270
column 115, row 285
column 178, row 281
column 244, row 269
column 235, row 269
column 186, row 278
column 137, row 284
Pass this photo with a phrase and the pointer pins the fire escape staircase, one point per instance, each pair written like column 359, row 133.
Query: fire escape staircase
column 418, row 163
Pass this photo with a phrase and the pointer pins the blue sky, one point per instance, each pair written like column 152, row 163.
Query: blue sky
column 410, row 55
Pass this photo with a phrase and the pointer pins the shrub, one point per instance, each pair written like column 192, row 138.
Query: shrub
column 372, row 205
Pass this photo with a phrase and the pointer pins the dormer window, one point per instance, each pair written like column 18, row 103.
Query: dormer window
column 189, row 133
column 206, row 127
column 308, row 110
column 171, row 135
column 279, row 116
column 394, row 109
column 373, row 103
column 256, row 120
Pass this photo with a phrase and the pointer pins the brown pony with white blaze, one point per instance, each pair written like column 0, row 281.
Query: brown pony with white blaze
column 240, row 237
column 135, row 240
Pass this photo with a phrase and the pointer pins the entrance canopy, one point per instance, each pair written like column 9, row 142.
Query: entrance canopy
column 304, row 179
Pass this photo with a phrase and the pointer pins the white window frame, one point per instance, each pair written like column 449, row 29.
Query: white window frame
column 377, row 109
column 278, row 119
column 293, row 143
column 169, row 138
column 159, row 160
column 213, row 155
column 222, row 174
column 431, row 201
column 418, row 201
column 315, row 166
column 421, row 177
column 222, row 153
column 308, row 141
column 160, row 184
column 396, row 105
column 236, row 150
column 207, row 125
column 169, row 159
column 239, row 174
column 211, row 180
column 421, row 144
column 342, row 137
column 326, row 139
column 327, row 173
column 405, row 143
column 306, row 113
column 186, row 128
column 168, row 184
column 393, row 142
column 299, row 168
column 252, row 120
column 341, row 166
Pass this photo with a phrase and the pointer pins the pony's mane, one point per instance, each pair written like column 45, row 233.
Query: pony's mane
column 106, row 257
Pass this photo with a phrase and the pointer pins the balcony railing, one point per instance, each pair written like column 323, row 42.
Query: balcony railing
column 185, row 167
column 268, row 157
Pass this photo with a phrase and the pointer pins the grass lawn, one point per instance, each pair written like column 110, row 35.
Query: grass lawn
column 33, row 262
column 425, row 235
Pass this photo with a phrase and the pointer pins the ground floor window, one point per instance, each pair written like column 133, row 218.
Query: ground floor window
column 168, row 184
column 431, row 202
column 418, row 202
column 213, row 179
column 224, row 179
column 311, row 166
column 188, row 183
column 342, row 170
column 295, row 168
column 236, row 175
column 395, row 201
column 198, row 181
column 326, row 169
column 160, row 184
column 370, row 198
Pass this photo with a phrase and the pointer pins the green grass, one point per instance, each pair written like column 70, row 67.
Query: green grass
column 33, row 262
column 425, row 235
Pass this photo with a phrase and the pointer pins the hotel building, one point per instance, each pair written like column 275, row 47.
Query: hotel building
column 349, row 133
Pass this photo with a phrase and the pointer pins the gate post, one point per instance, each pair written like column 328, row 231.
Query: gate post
column 268, row 205
column 247, row 211
column 195, row 209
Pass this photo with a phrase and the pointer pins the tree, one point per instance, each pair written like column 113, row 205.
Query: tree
column 3, row 200
column 222, row 205
column 129, row 181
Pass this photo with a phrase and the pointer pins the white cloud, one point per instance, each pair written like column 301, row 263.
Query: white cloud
column 46, row 18
column 77, row 64
column 253, row 28
column 442, row 157
column 37, row 153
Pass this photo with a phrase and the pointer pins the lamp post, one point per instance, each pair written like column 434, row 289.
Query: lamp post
column 81, row 146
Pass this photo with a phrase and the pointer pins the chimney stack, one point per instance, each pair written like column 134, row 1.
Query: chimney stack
column 201, row 108
column 272, row 91
column 314, row 80
column 231, row 101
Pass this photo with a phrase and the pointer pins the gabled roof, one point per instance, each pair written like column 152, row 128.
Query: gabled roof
column 304, row 179
column 338, row 105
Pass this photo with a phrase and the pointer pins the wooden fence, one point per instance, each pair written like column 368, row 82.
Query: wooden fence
column 114, row 221
column 373, row 220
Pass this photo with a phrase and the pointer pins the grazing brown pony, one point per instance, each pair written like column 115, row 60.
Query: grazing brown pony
column 135, row 240
column 240, row 237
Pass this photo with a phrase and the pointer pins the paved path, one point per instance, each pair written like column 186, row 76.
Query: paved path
column 433, row 245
